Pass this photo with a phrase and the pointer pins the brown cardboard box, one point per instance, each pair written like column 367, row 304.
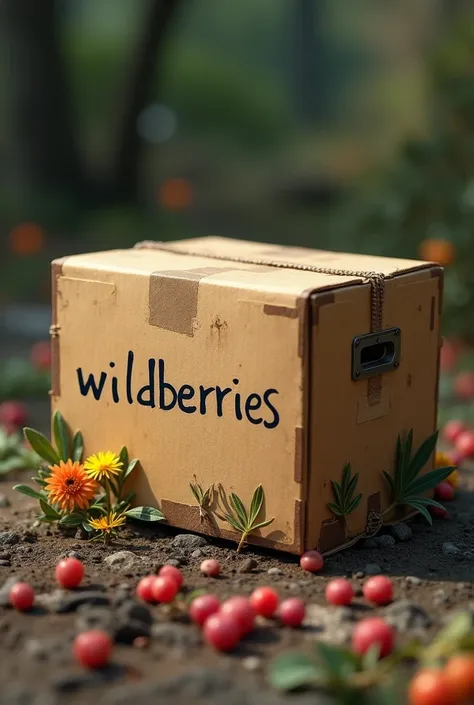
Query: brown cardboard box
column 238, row 363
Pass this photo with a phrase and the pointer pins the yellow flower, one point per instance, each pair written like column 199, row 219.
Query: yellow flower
column 108, row 523
column 70, row 486
column 103, row 465
column 442, row 460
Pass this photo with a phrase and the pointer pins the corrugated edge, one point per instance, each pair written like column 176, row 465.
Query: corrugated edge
column 56, row 272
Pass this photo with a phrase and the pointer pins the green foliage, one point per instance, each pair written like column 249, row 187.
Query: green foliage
column 20, row 380
column 345, row 502
column 245, row 522
column 407, row 486
column 13, row 455
column 202, row 497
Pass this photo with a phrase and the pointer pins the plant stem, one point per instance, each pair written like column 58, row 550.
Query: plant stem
column 242, row 541
column 389, row 509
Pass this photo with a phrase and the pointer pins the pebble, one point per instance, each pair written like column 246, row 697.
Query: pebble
column 175, row 635
column 450, row 549
column 188, row 541
column 401, row 532
column 386, row 541
column 4, row 501
column 5, row 590
column 440, row 597
column 372, row 569
column 9, row 538
column 247, row 565
column 122, row 560
column 252, row 663
column 275, row 571
column 74, row 554
column 174, row 562
column 4, row 563
column 413, row 580
column 61, row 601
column 94, row 618
column 197, row 553
column 404, row 615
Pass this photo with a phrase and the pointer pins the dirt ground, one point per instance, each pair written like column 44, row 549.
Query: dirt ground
column 432, row 572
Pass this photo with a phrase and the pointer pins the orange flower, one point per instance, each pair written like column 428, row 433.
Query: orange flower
column 440, row 251
column 175, row 194
column 27, row 239
column 69, row 486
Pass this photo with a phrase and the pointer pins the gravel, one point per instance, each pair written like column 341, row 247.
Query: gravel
column 188, row 541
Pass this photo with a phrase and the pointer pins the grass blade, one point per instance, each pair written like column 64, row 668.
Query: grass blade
column 256, row 504
column 262, row 524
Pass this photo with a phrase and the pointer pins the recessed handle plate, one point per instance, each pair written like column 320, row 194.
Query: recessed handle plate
column 375, row 353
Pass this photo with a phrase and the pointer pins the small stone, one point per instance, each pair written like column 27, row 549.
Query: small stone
column 174, row 562
column 71, row 682
column 370, row 543
column 81, row 534
column 74, row 554
column 90, row 618
column 252, row 663
column 197, row 553
column 450, row 549
column 9, row 538
column 386, row 541
column 413, row 580
column 407, row 615
column 440, row 597
column 175, row 635
column 248, row 565
column 4, row 501
column 71, row 602
column 5, row 590
column 188, row 541
column 401, row 532
column 5, row 555
column 372, row 569
column 122, row 560
column 4, row 563
column 359, row 575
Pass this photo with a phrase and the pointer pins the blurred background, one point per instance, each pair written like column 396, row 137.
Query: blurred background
column 327, row 123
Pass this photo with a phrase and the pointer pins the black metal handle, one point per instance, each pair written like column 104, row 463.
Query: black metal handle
column 375, row 353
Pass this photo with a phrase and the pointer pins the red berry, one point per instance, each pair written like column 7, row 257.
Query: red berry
column 370, row 632
column 465, row 444
column 339, row 592
column 431, row 686
column 203, row 607
column 439, row 513
column 69, row 572
column 211, row 568
column 13, row 413
column 41, row 355
column 164, row 588
column 444, row 491
column 240, row 609
column 22, row 597
column 464, row 385
column 452, row 430
column 92, row 649
column 264, row 601
column 145, row 588
column 312, row 561
column 222, row 631
column 292, row 612
column 378, row 590
column 456, row 458
column 448, row 355
column 170, row 571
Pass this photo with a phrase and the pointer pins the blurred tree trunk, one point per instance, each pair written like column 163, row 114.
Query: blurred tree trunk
column 137, row 93
column 46, row 156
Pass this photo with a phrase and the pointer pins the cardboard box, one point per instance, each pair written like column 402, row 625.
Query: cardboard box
column 244, row 364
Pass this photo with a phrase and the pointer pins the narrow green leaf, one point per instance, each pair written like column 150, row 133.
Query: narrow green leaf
column 39, row 481
column 145, row 514
column 61, row 436
column 87, row 527
column 346, row 474
column 207, row 496
column 371, row 658
column 352, row 486
column 45, row 519
column 422, row 455
column 292, row 671
column 339, row 663
column 428, row 481
column 421, row 509
column 49, row 511
column 28, row 491
column 262, row 524
column 337, row 489
column 238, row 507
column 335, row 509
column 128, row 470
column 391, row 483
column 234, row 522
column 123, row 457
column 256, row 504
column 425, row 501
column 195, row 492
column 72, row 520
column 354, row 504
column 77, row 447
column 41, row 445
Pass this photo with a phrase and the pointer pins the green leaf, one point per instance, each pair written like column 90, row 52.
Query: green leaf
column 391, row 482
column 371, row 658
column 145, row 514
column 336, row 488
column 339, row 663
column 239, row 508
column 354, row 504
column 195, row 492
column 234, row 522
column 453, row 633
column 77, row 447
column 428, row 481
column 256, row 504
column 422, row 455
column 49, row 511
column 352, row 485
column 346, row 474
column 262, row 524
column 292, row 671
column 61, row 436
column 72, row 520
column 41, row 445
column 335, row 509
column 123, row 457
column 39, row 481
column 87, row 527
column 28, row 491
column 420, row 507
column 128, row 470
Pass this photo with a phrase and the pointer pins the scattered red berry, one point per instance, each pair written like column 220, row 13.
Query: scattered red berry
column 240, row 609
column 69, row 573
column 92, row 649
column 339, row 592
column 264, row 601
column 452, row 430
column 22, row 597
column 13, row 413
column 203, row 607
column 222, row 631
column 379, row 590
column 170, row 571
column 464, row 385
column 456, row 458
column 370, row 632
column 438, row 512
column 211, row 568
column 292, row 612
column 465, row 444
column 459, row 673
column 164, row 588
column 431, row 687
column 444, row 491
column 312, row 561
column 145, row 588
column 41, row 355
